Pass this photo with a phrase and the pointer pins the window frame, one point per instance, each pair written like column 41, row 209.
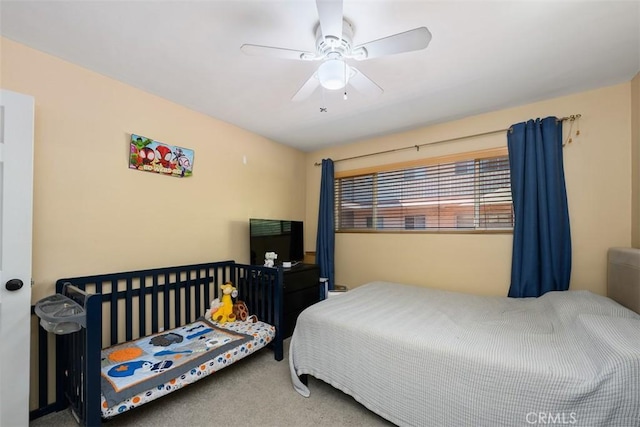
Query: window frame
column 403, row 166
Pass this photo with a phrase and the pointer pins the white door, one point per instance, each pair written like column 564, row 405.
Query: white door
column 16, row 195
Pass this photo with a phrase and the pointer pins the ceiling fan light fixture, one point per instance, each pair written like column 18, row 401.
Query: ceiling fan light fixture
column 333, row 74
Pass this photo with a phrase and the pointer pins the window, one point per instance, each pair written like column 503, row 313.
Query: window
column 412, row 222
column 465, row 192
column 380, row 221
column 465, row 167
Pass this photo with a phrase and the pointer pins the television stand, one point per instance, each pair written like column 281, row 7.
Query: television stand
column 300, row 288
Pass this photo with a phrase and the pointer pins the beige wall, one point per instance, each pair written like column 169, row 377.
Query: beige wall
column 598, row 176
column 635, row 161
column 93, row 215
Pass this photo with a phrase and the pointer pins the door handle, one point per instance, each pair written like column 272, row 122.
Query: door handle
column 14, row 284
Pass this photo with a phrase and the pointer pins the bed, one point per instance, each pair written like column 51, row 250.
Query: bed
column 145, row 335
column 426, row 357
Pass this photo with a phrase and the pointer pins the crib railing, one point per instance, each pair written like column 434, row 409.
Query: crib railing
column 136, row 304
column 42, row 353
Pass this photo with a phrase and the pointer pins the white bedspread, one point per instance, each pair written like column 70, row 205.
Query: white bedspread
column 424, row 357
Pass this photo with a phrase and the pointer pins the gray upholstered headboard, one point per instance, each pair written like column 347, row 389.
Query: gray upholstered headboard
column 623, row 277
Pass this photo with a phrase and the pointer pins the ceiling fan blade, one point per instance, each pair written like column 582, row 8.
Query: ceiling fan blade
column 415, row 39
column 364, row 84
column 330, row 14
column 307, row 88
column 277, row 52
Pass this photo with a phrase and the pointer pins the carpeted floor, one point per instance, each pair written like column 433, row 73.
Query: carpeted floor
column 256, row 391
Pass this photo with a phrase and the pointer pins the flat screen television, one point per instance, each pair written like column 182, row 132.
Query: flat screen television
column 274, row 235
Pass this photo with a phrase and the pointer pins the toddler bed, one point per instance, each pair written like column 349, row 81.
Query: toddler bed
column 426, row 357
column 146, row 336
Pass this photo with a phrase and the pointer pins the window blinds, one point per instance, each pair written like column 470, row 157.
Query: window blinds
column 468, row 194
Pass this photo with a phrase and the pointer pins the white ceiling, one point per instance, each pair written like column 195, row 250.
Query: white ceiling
column 484, row 56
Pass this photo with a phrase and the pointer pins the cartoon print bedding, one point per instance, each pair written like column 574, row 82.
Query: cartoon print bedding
column 139, row 371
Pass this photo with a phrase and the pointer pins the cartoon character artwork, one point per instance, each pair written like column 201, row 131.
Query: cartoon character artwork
column 149, row 155
column 184, row 164
column 165, row 157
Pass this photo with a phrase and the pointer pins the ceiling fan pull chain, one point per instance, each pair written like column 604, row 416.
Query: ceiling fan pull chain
column 323, row 109
column 345, row 81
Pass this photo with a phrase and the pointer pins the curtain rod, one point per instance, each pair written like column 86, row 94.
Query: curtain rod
column 417, row 146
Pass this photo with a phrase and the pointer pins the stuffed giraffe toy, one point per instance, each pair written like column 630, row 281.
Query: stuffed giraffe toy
column 225, row 312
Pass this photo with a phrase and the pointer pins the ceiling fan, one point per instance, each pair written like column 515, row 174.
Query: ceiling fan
column 334, row 46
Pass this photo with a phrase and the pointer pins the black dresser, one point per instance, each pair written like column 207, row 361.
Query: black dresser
column 301, row 288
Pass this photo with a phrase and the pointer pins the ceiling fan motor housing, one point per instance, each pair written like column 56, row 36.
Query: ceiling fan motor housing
column 333, row 47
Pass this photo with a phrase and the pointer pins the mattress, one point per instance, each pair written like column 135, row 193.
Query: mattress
column 424, row 357
column 258, row 335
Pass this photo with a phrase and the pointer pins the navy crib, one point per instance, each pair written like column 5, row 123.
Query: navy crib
column 139, row 303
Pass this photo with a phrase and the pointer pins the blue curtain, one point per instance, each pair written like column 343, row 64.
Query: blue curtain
column 541, row 236
column 325, row 240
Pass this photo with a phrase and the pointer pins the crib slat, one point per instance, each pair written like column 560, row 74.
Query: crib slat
column 154, row 305
column 128, row 304
column 263, row 301
column 199, row 302
column 242, row 287
column 178, row 301
column 187, row 298
column 166, row 295
column 114, row 311
column 207, row 291
column 142, row 304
